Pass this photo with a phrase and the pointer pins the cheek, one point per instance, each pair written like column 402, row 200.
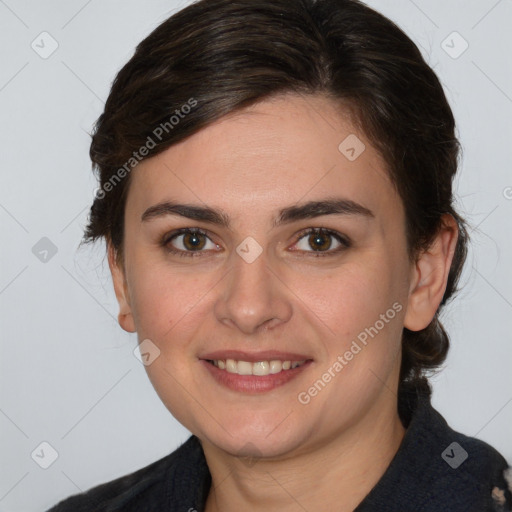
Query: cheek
column 162, row 301
column 167, row 309
column 362, row 304
column 364, row 310
column 350, row 298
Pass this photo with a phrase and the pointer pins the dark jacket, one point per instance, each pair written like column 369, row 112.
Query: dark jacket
column 435, row 470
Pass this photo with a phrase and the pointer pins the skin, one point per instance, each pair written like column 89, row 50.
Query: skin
column 329, row 453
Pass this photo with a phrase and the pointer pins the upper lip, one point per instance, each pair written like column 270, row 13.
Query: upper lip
column 254, row 357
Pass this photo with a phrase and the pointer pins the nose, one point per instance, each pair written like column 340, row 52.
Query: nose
column 253, row 298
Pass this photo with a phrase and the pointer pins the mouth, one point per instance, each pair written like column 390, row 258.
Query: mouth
column 259, row 368
column 254, row 373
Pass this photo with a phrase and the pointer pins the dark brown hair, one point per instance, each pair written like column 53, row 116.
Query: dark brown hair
column 218, row 56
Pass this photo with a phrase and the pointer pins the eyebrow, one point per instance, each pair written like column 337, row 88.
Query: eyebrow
column 309, row 210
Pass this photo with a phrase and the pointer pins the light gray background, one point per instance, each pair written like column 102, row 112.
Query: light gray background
column 68, row 373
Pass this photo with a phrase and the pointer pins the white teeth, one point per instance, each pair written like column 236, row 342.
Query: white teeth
column 259, row 368
column 276, row 366
column 231, row 366
column 244, row 368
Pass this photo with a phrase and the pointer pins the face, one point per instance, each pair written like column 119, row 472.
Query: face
column 258, row 244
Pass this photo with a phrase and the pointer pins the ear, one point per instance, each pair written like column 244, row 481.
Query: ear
column 430, row 276
column 125, row 317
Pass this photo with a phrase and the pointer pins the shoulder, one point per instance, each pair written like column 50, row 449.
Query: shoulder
column 464, row 471
column 437, row 468
column 483, row 473
column 145, row 489
column 502, row 493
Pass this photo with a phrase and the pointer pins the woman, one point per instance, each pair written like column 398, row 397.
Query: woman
column 276, row 198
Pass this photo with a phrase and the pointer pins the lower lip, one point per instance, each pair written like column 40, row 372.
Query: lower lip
column 253, row 383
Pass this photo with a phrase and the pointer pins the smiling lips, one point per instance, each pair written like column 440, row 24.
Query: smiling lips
column 254, row 373
column 259, row 368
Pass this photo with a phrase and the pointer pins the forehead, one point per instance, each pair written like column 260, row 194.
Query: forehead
column 284, row 150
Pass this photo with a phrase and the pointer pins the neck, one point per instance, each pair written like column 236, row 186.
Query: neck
column 334, row 476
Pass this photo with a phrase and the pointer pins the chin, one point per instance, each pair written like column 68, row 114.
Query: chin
column 256, row 440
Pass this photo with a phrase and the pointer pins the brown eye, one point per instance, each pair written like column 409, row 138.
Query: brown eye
column 320, row 241
column 194, row 241
column 188, row 242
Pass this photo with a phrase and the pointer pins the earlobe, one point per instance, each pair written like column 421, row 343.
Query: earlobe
column 124, row 317
column 430, row 277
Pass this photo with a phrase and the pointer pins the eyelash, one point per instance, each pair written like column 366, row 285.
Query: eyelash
column 343, row 240
column 166, row 240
